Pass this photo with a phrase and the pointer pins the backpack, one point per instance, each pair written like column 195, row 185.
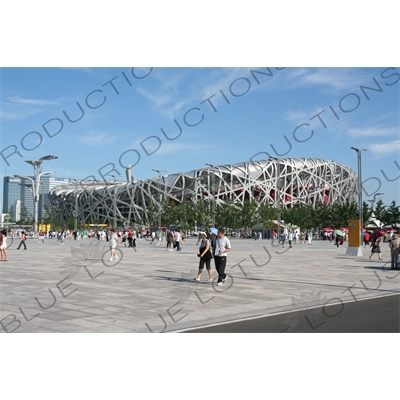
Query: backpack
column 1, row 239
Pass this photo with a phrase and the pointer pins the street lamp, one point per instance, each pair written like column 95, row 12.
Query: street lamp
column 114, row 201
column 160, row 198
column 374, row 200
column 36, row 183
column 75, row 214
column 277, row 198
column 357, row 250
column 213, row 199
column 197, row 180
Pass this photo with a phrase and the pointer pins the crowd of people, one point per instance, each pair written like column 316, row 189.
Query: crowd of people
column 212, row 245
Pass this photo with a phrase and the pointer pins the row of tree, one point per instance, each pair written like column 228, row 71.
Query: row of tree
column 188, row 215
column 236, row 216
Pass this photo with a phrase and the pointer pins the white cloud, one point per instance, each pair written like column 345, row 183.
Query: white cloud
column 380, row 150
column 374, row 131
column 95, row 138
column 21, row 108
column 332, row 79
column 37, row 102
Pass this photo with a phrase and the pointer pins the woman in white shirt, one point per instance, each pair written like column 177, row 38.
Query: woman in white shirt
column 113, row 245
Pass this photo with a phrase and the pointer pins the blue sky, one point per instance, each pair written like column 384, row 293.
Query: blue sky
column 262, row 111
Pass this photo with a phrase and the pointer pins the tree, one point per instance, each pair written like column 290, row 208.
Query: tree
column 380, row 210
column 391, row 216
column 24, row 218
column 267, row 213
column 322, row 215
column 185, row 214
column 152, row 212
column 367, row 213
column 228, row 215
column 202, row 213
column 9, row 216
column 249, row 214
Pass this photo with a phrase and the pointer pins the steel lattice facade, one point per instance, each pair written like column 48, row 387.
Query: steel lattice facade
column 290, row 181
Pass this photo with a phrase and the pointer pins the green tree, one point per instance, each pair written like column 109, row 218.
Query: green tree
column 24, row 218
column 301, row 215
column 380, row 210
column 267, row 213
column 391, row 216
column 228, row 215
column 202, row 213
column 169, row 211
column 152, row 212
column 342, row 213
column 185, row 214
column 367, row 213
column 9, row 216
column 249, row 214
column 322, row 215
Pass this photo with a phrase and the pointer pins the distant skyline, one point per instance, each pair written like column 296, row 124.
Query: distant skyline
column 97, row 121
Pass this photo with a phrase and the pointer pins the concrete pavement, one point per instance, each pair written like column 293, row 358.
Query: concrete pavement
column 74, row 288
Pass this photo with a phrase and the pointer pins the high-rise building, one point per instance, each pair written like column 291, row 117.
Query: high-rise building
column 19, row 189
column 16, row 210
column 12, row 192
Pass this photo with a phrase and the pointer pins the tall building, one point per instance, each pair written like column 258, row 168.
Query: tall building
column 16, row 210
column 13, row 190
column 18, row 189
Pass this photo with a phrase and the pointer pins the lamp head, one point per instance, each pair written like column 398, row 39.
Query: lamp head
column 46, row 158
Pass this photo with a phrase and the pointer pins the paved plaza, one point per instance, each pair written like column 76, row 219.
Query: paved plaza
column 74, row 288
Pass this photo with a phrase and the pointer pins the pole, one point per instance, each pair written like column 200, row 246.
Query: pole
column 360, row 209
column 76, row 208
column 277, row 197
column 36, row 170
column 355, row 248
column 115, row 204
column 42, row 204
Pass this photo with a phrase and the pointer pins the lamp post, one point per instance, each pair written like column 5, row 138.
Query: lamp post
column 35, row 184
column 37, row 173
column 354, row 247
column 196, row 188
column 76, row 206
column 213, row 199
column 277, row 197
column 374, row 200
column 114, row 201
column 29, row 186
column 160, row 198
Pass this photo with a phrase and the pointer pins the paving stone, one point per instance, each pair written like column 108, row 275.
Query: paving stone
column 152, row 288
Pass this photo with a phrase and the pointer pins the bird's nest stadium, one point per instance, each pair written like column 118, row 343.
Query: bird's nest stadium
column 289, row 181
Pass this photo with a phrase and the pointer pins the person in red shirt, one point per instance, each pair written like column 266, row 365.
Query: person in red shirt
column 23, row 239
column 367, row 239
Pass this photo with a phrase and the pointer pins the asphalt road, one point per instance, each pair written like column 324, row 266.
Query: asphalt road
column 378, row 315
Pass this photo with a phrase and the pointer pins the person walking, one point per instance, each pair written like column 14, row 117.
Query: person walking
column 205, row 257
column 113, row 245
column 290, row 238
column 130, row 238
column 220, row 250
column 375, row 248
column 3, row 245
column 169, row 240
column 366, row 239
column 22, row 236
column 394, row 252
column 282, row 239
column 178, row 238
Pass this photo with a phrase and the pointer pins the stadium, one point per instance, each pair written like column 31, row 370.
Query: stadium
column 289, row 182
